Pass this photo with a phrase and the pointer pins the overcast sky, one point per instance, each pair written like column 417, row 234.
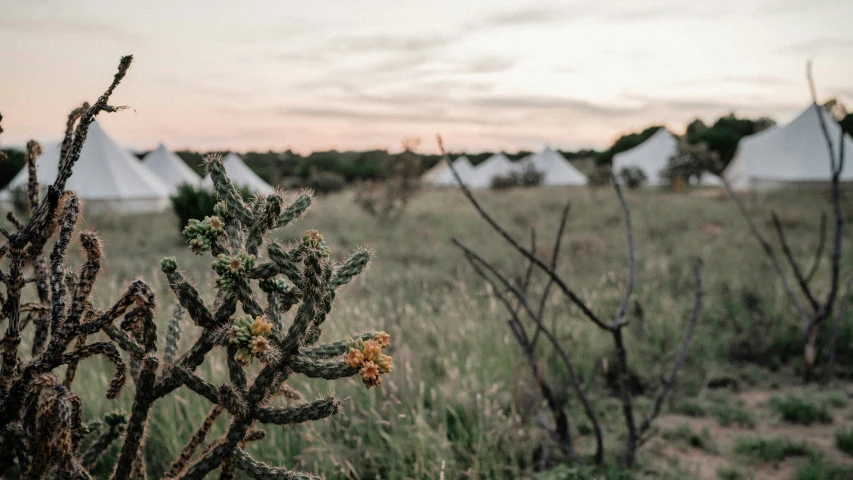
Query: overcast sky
column 487, row 75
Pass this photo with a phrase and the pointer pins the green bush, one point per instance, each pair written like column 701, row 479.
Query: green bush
column 691, row 407
column 844, row 441
column 816, row 469
column 730, row 473
column 196, row 203
column 800, row 411
column 774, row 450
column 565, row 472
column 633, row 177
column 685, row 435
column 192, row 203
column 729, row 414
column 325, row 182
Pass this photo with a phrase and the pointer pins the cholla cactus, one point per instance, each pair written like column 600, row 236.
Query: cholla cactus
column 41, row 424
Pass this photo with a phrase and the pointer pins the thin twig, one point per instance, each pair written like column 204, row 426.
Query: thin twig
column 619, row 318
column 795, row 267
column 669, row 381
column 821, row 244
column 575, row 299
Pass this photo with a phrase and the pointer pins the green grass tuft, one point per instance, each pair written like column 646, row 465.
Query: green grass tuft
column 817, row 469
column 800, row 411
column 844, row 440
column 770, row 451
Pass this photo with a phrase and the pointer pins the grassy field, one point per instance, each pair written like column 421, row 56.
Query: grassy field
column 461, row 401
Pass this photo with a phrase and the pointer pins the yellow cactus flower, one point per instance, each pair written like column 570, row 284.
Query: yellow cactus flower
column 383, row 338
column 354, row 358
column 260, row 345
column 369, row 370
column 372, row 350
column 261, row 327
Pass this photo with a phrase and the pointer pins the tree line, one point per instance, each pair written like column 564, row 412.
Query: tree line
column 339, row 167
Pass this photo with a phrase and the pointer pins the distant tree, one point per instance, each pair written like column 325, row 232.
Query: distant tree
column 583, row 153
column 847, row 124
column 633, row 177
column 626, row 142
column 724, row 136
column 11, row 166
column 696, row 127
column 192, row 159
column 692, row 161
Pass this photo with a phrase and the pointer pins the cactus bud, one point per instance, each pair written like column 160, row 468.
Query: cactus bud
column 168, row 265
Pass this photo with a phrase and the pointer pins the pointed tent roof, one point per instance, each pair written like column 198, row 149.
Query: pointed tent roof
column 795, row 152
column 429, row 176
column 555, row 169
column 498, row 165
column 445, row 177
column 170, row 168
column 105, row 172
column 651, row 156
column 241, row 175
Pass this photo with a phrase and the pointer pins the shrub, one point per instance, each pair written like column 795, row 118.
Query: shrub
column 325, row 182
column 41, row 419
column 690, row 407
column 726, row 415
column 387, row 199
column 730, row 473
column 528, row 177
column 503, row 182
column 774, row 450
column 816, row 469
column 800, row 411
column 844, row 441
column 684, row 434
column 192, row 203
column 633, row 177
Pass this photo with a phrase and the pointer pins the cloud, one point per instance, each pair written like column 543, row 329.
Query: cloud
column 818, row 45
column 409, row 116
column 71, row 27
column 543, row 102
column 526, row 16
column 703, row 106
column 389, row 43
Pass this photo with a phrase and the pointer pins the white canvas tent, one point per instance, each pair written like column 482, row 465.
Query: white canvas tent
column 241, row 175
column 445, row 178
column 651, row 156
column 789, row 154
column 555, row 169
column 173, row 171
column 106, row 176
column 428, row 177
column 498, row 165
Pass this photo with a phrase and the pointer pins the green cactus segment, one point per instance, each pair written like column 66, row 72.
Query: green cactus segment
column 169, row 265
column 313, row 240
column 286, row 262
column 226, row 190
column 294, row 210
column 326, row 370
column 316, row 410
column 204, row 234
column 267, row 210
column 262, row 471
column 173, row 334
column 352, row 267
column 189, row 297
column 277, row 285
column 334, row 349
column 116, row 423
